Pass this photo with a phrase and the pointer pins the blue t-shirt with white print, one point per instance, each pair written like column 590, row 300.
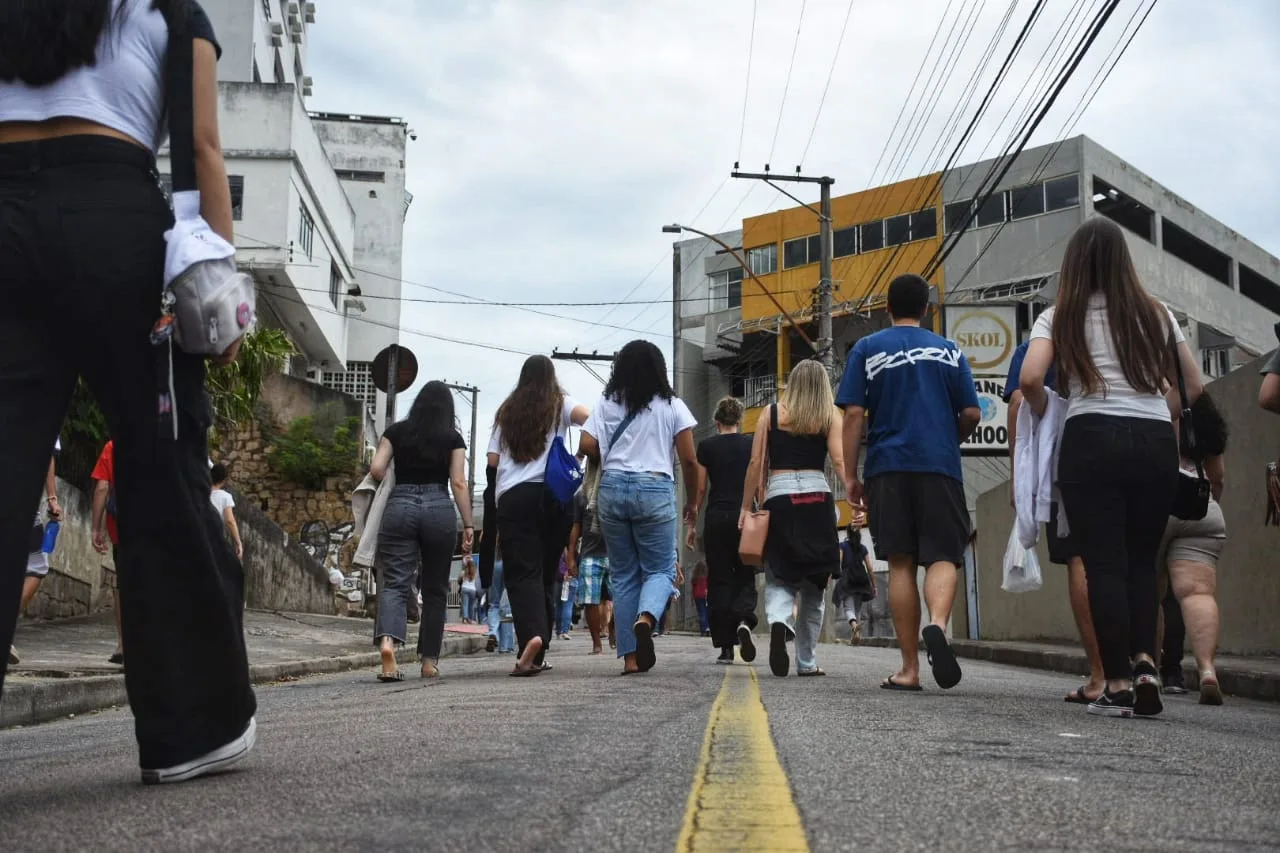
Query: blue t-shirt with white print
column 1015, row 372
column 912, row 383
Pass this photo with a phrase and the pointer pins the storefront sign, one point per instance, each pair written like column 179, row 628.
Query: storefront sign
column 987, row 335
column 992, row 432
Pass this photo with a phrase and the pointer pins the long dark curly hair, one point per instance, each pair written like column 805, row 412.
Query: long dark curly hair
column 639, row 374
column 1211, row 430
column 531, row 411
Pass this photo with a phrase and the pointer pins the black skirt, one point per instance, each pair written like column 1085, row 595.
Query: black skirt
column 802, row 542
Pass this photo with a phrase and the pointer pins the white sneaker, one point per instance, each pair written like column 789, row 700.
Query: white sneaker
column 14, row 660
column 216, row 761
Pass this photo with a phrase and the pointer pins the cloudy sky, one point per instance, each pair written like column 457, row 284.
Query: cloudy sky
column 555, row 137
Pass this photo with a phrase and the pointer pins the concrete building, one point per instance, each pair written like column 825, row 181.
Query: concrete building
column 999, row 275
column 318, row 199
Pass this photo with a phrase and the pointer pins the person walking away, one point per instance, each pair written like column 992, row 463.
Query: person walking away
column 37, row 559
column 589, row 563
column 1117, row 353
column 103, row 525
column 82, row 222
column 531, row 522
column 857, row 584
column 502, row 634
column 731, row 584
column 419, row 529
column 1173, row 633
column 700, row 597
column 1061, row 550
column 631, row 433
column 1269, row 391
column 913, row 392
column 568, row 594
column 802, row 550
column 470, row 610
column 1191, row 549
column 225, row 505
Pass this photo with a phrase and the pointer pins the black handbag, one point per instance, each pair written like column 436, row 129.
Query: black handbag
column 1191, row 499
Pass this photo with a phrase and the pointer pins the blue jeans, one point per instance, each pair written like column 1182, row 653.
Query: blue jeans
column 704, row 615
column 500, row 610
column 565, row 608
column 419, row 529
column 638, row 519
column 469, row 609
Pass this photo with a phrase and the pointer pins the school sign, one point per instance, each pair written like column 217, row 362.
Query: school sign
column 987, row 336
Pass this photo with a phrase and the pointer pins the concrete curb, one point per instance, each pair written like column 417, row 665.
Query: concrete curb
column 25, row 704
column 1232, row 678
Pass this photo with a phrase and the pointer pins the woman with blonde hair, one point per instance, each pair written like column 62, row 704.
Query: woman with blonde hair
column 802, row 550
column 731, row 584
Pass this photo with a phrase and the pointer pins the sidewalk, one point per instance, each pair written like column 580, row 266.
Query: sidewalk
column 1246, row 677
column 64, row 667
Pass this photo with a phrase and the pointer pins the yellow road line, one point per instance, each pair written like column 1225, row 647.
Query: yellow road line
column 741, row 798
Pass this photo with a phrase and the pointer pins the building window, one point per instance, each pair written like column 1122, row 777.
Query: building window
column 1260, row 289
column 954, row 214
column 897, row 229
column 991, row 212
column 1025, row 202
column 845, row 242
column 872, row 236
column 306, row 229
column 237, row 196
column 335, row 284
column 726, row 289
column 804, row 250
column 1216, row 363
column 360, row 175
column 1183, row 245
column 1061, row 193
column 1126, row 211
column 763, row 259
column 924, row 224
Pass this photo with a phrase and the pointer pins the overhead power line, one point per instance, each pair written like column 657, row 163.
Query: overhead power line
column 746, row 88
column 786, row 86
column 826, row 88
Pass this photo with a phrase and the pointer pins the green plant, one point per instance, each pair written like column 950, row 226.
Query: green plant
column 234, row 388
column 314, row 448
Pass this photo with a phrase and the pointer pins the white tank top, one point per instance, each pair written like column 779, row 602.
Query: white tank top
column 123, row 90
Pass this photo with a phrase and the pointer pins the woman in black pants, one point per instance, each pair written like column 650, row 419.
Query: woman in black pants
column 1115, row 349
column 82, row 250
column 731, row 585
column 532, row 525
column 419, row 528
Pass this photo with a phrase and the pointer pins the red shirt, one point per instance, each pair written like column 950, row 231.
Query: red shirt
column 105, row 470
column 700, row 587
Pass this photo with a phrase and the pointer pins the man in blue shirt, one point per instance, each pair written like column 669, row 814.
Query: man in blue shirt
column 1061, row 550
column 914, row 391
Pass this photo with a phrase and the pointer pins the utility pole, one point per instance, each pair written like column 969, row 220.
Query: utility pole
column 825, row 285
column 471, row 456
column 594, row 355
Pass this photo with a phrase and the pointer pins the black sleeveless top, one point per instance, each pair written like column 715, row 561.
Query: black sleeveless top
column 790, row 452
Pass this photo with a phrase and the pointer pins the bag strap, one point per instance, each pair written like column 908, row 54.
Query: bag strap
column 617, row 434
column 179, row 102
column 762, row 486
column 1185, row 421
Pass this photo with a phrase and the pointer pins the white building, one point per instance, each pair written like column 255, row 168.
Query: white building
column 318, row 199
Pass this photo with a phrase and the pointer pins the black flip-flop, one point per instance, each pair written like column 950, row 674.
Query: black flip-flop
column 117, row 659
column 942, row 660
column 1078, row 697
column 890, row 684
column 630, row 672
column 646, row 657
column 391, row 676
column 525, row 672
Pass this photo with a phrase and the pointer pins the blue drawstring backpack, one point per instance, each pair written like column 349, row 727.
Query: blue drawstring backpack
column 563, row 475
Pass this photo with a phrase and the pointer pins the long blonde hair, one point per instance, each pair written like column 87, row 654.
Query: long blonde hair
column 808, row 400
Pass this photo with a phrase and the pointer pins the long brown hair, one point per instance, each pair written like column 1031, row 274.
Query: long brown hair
column 1097, row 260
column 531, row 410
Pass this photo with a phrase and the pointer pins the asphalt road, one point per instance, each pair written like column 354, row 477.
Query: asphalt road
column 581, row 759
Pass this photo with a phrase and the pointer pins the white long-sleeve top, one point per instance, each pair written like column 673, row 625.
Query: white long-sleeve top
column 1035, row 454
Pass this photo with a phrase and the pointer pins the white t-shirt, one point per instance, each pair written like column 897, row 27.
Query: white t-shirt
column 647, row 443
column 513, row 473
column 222, row 501
column 1116, row 398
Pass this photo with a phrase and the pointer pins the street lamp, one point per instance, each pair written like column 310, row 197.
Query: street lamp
column 676, row 229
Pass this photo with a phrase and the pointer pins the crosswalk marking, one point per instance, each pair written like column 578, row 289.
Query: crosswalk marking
column 741, row 798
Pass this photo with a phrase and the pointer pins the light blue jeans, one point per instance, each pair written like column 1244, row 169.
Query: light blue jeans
column 500, row 624
column 638, row 519
column 564, row 609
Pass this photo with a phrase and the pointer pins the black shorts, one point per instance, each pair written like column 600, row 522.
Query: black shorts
column 1060, row 550
column 922, row 515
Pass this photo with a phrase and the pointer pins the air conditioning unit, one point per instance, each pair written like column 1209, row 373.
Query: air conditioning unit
column 291, row 8
column 277, row 28
column 295, row 24
column 277, row 40
column 306, row 91
column 296, row 36
column 309, row 12
column 307, row 81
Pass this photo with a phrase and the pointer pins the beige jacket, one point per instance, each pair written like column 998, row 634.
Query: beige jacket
column 368, row 502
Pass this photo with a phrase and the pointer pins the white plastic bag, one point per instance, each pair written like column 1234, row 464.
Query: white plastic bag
column 1021, row 566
